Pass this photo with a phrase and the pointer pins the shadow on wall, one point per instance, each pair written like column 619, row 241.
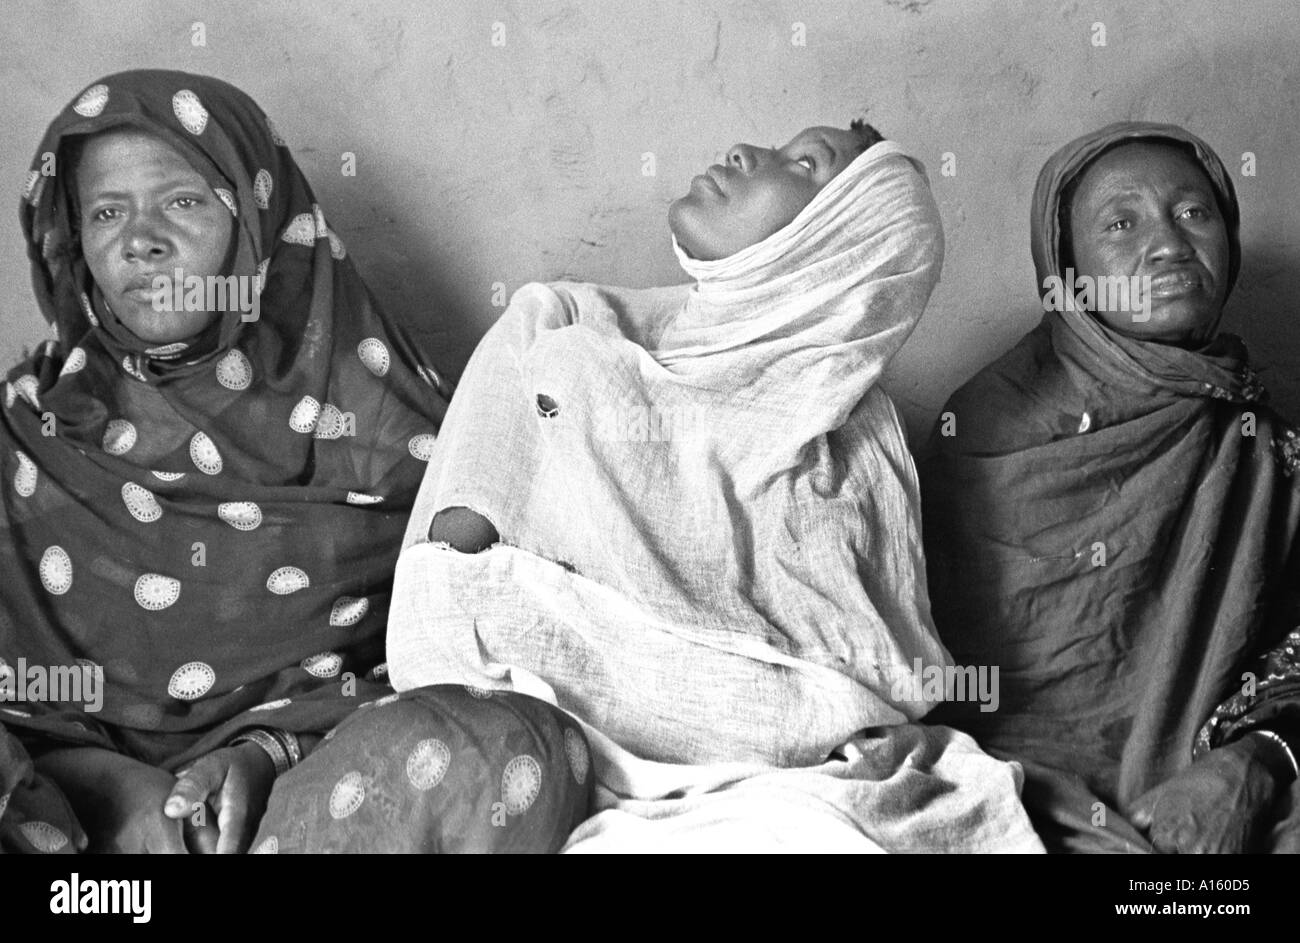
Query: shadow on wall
column 1263, row 311
column 1262, row 307
column 411, row 276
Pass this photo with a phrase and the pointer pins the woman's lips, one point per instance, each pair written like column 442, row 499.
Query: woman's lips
column 1175, row 284
column 705, row 182
column 144, row 288
column 143, row 296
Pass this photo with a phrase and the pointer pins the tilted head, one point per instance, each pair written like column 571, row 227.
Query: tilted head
column 759, row 190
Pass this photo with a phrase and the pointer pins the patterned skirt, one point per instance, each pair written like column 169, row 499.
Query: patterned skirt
column 434, row 770
column 437, row 769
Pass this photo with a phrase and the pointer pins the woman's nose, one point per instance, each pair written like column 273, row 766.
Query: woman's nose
column 743, row 156
column 1169, row 243
column 144, row 241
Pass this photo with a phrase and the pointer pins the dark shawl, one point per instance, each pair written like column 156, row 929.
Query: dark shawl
column 215, row 527
column 1080, row 446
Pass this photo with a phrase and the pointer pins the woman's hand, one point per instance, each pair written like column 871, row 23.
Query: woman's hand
column 235, row 783
column 119, row 801
column 1221, row 804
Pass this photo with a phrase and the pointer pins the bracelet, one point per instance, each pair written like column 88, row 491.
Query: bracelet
column 290, row 743
column 1280, row 741
column 270, row 743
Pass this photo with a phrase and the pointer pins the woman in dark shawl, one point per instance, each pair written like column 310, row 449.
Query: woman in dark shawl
column 1112, row 517
column 202, row 508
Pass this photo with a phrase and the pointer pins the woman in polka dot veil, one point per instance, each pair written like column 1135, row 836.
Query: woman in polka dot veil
column 202, row 507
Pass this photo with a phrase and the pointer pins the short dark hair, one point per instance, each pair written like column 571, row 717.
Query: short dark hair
column 867, row 134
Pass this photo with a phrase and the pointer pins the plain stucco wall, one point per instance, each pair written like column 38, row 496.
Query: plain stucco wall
column 480, row 164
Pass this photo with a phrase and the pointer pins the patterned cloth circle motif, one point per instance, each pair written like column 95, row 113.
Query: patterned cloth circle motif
column 189, row 111
column 286, row 580
column 304, row 415
column 27, row 387
column 88, row 310
column 56, row 570
column 141, row 503
column 421, row 446
column 520, row 783
column 241, row 515
column 92, row 101
column 204, row 454
column 347, row 795
column 129, row 366
column 428, row 763
column 119, row 437
column 26, row 476
column 374, row 355
column 156, row 592
column 324, row 665
column 191, row 681
column 75, row 363
column 227, row 198
column 348, row 610
column 234, row 371
column 301, row 230
column 330, row 424
column 43, row 836
column 262, row 186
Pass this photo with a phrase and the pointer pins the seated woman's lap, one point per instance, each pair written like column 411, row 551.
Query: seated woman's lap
column 438, row 769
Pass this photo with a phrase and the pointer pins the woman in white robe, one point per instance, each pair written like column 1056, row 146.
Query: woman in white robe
column 705, row 540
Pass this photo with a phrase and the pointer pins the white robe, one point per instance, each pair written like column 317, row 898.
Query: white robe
column 710, row 539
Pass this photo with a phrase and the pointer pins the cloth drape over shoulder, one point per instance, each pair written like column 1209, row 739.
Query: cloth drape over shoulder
column 1116, row 524
column 211, row 525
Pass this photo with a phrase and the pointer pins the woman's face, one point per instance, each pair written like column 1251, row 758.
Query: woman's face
column 146, row 212
column 1147, row 209
column 758, row 191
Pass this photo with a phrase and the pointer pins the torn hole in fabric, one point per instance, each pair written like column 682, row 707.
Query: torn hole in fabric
column 474, row 526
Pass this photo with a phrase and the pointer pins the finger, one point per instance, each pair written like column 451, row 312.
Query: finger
column 232, row 815
column 166, row 839
column 1144, row 808
column 201, row 839
column 1172, row 835
column 193, row 788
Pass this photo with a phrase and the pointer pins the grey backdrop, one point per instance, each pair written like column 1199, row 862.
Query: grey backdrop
column 503, row 142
